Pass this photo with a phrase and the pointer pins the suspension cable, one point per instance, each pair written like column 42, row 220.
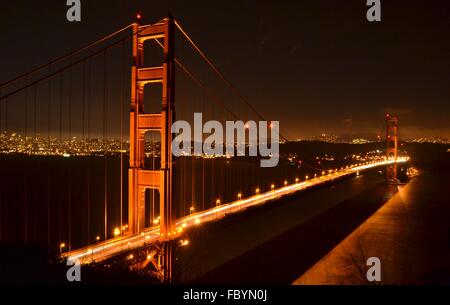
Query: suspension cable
column 122, row 100
column 26, row 114
column 1, row 131
column 228, row 83
column 4, row 97
column 200, row 83
column 70, row 106
column 49, row 102
column 221, row 76
column 214, row 96
column 105, row 163
column 35, row 112
column 6, row 113
column 67, row 55
column 83, row 107
column 61, row 84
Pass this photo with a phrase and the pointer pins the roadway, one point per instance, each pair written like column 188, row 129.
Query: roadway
column 103, row 250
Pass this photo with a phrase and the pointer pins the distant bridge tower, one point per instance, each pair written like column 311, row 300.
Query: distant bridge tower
column 391, row 147
column 140, row 178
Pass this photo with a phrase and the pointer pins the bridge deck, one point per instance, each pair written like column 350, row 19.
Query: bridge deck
column 109, row 248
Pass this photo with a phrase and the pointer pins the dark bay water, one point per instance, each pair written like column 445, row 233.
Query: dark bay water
column 50, row 200
column 280, row 242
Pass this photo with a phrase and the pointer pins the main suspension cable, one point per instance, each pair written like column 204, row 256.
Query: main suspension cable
column 220, row 74
column 65, row 56
column 199, row 82
column 3, row 97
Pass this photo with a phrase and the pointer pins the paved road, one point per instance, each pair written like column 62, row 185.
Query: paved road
column 107, row 249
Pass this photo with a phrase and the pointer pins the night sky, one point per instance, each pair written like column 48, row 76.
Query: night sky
column 316, row 66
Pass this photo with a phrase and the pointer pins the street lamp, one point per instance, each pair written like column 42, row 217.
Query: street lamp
column 272, row 186
column 116, row 232
column 239, row 196
column 61, row 247
column 184, row 242
column 217, row 202
column 257, row 191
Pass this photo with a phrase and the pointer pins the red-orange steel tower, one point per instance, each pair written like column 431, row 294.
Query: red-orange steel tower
column 391, row 147
column 140, row 178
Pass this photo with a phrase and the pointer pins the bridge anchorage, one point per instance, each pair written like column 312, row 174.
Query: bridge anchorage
column 141, row 122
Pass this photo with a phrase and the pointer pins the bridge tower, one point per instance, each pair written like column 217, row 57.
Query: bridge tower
column 391, row 147
column 141, row 122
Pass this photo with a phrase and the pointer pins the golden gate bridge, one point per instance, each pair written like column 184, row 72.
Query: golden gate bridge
column 45, row 100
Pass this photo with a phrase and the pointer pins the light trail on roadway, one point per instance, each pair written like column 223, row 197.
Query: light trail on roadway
column 104, row 250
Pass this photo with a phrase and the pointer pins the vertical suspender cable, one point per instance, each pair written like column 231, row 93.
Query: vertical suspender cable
column 6, row 114
column 104, row 146
column 35, row 112
column 48, row 149
column 25, row 208
column 60, row 106
column 89, row 78
column 83, row 104
column 1, row 201
column 59, row 206
column 70, row 105
column 193, row 170
column 83, row 114
column 69, row 210
column 1, row 110
column 48, row 209
column 49, row 102
column 122, row 100
column 26, row 114
column 203, row 162
column 88, row 182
